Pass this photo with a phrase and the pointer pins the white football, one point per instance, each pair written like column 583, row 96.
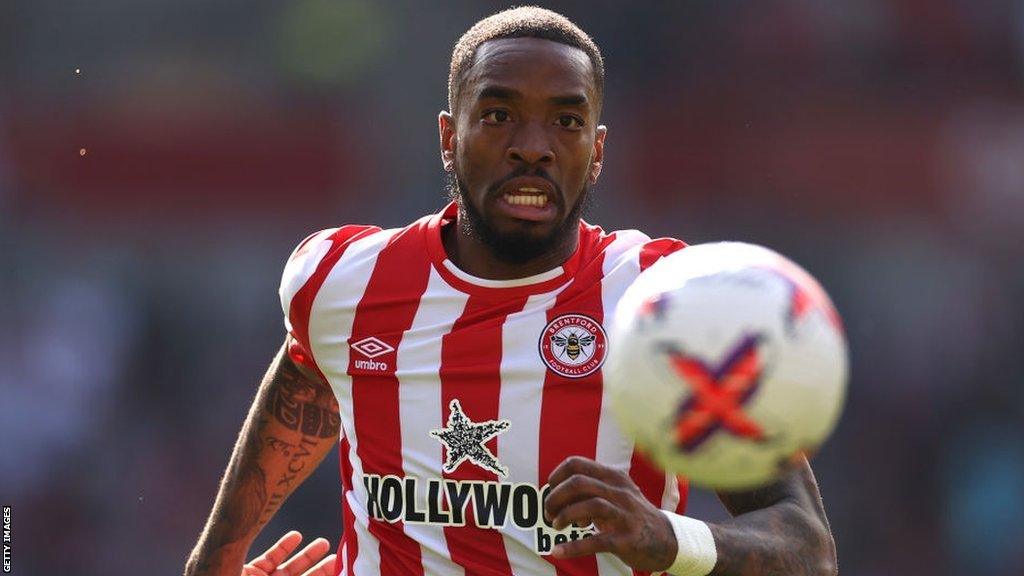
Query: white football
column 726, row 362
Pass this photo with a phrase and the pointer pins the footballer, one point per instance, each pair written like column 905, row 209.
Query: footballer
column 456, row 364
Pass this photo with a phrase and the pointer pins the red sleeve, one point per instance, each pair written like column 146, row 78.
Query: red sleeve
column 659, row 248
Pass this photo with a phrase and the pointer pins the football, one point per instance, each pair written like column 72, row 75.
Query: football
column 727, row 362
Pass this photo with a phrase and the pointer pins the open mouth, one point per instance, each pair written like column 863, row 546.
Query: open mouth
column 529, row 198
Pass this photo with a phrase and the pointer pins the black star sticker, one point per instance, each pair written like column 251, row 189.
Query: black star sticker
column 465, row 440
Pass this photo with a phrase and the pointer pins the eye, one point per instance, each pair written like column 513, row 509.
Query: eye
column 496, row 116
column 570, row 121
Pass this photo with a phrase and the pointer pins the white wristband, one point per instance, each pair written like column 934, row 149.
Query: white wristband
column 697, row 554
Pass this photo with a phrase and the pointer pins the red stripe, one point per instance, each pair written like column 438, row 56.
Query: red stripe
column 385, row 312
column 656, row 249
column 471, row 373
column 571, row 408
column 302, row 303
column 648, row 477
column 651, row 481
column 348, row 533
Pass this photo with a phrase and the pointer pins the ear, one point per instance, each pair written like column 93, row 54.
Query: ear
column 446, row 128
column 598, row 157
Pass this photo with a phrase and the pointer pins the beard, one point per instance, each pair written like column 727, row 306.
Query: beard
column 519, row 246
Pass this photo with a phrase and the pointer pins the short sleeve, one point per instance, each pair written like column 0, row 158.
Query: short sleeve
column 657, row 249
column 304, row 274
column 300, row 268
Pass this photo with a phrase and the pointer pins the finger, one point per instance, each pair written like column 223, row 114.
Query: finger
column 324, row 568
column 303, row 560
column 576, row 489
column 580, row 465
column 584, row 546
column 585, row 513
column 278, row 553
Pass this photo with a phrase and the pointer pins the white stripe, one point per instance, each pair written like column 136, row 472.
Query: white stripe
column 367, row 547
column 513, row 283
column 522, row 388
column 330, row 325
column 298, row 269
column 343, row 559
column 621, row 266
column 670, row 497
column 419, row 403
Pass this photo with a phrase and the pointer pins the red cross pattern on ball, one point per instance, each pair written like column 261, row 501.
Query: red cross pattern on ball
column 718, row 395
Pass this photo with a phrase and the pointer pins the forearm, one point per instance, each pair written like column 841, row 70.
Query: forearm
column 779, row 540
column 291, row 426
column 788, row 536
column 778, row 530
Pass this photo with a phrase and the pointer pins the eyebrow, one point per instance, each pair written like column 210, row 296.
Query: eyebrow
column 505, row 93
column 570, row 100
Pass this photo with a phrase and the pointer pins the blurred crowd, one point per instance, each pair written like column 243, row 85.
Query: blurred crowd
column 159, row 160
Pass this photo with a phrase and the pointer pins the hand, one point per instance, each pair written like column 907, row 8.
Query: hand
column 272, row 562
column 584, row 491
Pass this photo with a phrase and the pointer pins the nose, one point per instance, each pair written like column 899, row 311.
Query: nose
column 530, row 146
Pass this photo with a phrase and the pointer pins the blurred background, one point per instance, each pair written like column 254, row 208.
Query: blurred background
column 159, row 160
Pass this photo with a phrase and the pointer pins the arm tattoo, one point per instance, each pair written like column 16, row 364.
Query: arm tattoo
column 291, row 425
column 654, row 547
column 240, row 502
column 780, row 529
column 249, row 482
column 302, row 405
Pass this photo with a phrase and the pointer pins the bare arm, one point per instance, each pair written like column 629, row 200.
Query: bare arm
column 292, row 424
column 779, row 529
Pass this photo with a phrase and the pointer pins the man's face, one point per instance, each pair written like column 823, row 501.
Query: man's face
column 524, row 145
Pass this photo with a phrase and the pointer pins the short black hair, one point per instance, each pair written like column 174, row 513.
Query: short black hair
column 521, row 22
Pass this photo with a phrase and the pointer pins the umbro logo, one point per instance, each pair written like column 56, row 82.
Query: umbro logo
column 372, row 347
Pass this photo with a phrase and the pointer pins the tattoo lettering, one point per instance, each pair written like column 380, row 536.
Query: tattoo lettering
column 301, row 452
column 272, row 505
column 278, row 445
column 299, row 458
column 286, row 481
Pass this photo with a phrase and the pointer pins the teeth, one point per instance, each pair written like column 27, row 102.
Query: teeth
column 527, row 199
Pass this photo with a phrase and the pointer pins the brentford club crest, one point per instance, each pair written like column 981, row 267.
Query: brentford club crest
column 573, row 345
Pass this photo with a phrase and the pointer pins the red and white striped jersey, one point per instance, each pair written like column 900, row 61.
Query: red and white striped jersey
column 459, row 395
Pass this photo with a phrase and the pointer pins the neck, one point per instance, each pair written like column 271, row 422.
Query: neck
column 476, row 258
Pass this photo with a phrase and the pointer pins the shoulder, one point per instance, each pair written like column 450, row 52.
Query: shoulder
column 316, row 251
column 626, row 247
column 353, row 250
